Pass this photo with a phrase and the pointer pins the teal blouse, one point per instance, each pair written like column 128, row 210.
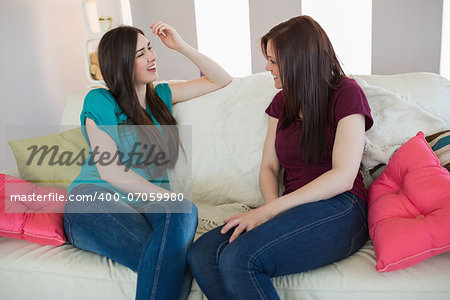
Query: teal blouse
column 100, row 106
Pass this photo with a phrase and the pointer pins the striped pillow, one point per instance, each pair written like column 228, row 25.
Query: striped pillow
column 440, row 143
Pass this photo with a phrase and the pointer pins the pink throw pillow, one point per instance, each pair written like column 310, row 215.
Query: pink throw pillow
column 35, row 221
column 409, row 207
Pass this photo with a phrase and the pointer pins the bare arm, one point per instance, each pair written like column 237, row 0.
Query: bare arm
column 270, row 167
column 215, row 76
column 114, row 172
column 346, row 159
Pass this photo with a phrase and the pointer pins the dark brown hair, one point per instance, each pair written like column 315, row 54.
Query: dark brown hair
column 309, row 69
column 117, row 54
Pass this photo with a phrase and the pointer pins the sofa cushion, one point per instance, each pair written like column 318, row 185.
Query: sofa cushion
column 409, row 207
column 390, row 131
column 439, row 143
column 59, row 166
column 32, row 271
column 430, row 91
column 36, row 221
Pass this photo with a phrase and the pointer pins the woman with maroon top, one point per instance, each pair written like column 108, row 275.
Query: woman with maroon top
column 316, row 134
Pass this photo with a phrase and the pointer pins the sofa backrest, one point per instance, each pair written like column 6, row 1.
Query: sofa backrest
column 229, row 128
column 429, row 90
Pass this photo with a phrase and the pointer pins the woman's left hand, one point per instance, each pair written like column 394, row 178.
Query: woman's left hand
column 246, row 221
column 168, row 35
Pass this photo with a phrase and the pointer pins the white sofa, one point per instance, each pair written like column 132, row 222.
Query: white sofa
column 228, row 130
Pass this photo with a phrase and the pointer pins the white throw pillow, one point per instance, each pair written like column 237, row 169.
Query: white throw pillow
column 396, row 120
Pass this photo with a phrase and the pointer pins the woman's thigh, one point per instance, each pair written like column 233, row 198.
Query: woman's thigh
column 180, row 218
column 303, row 238
column 115, row 230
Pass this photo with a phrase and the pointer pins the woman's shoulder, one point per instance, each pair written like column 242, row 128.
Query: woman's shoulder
column 162, row 86
column 99, row 94
column 164, row 92
column 275, row 107
column 278, row 98
column 100, row 98
column 347, row 83
column 348, row 99
column 100, row 106
column 347, row 87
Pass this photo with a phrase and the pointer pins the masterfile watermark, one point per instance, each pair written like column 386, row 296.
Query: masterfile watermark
column 160, row 154
column 54, row 156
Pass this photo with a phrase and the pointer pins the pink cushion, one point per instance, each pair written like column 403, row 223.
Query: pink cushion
column 32, row 220
column 409, row 208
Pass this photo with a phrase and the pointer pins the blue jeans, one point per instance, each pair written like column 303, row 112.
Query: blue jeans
column 151, row 241
column 301, row 239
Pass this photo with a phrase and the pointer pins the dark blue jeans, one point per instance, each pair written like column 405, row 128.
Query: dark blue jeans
column 301, row 239
column 151, row 241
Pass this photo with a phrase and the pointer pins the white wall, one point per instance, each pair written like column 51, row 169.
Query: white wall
column 265, row 14
column 179, row 14
column 227, row 43
column 352, row 44
column 42, row 56
column 444, row 68
column 406, row 36
column 41, row 59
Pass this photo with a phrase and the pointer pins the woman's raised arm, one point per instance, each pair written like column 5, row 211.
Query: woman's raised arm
column 215, row 76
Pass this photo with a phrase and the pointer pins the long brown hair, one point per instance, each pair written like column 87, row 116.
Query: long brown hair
column 309, row 69
column 117, row 54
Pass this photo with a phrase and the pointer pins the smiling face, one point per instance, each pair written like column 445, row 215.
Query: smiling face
column 145, row 63
column 272, row 65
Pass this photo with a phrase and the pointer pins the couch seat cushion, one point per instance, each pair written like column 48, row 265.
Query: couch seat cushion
column 32, row 271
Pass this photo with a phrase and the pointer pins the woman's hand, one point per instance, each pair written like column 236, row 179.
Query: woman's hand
column 214, row 79
column 247, row 221
column 168, row 35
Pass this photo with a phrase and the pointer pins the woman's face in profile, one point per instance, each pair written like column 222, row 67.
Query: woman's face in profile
column 272, row 65
column 145, row 62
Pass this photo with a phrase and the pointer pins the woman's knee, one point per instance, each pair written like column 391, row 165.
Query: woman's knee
column 193, row 217
column 180, row 225
column 75, row 225
column 231, row 260
column 187, row 220
column 196, row 258
column 189, row 209
column 238, row 257
column 205, row 252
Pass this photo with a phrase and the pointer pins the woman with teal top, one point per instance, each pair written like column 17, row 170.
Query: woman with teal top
column 149, row 237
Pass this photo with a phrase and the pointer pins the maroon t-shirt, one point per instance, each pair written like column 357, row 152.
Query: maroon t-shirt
column 348, row 99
